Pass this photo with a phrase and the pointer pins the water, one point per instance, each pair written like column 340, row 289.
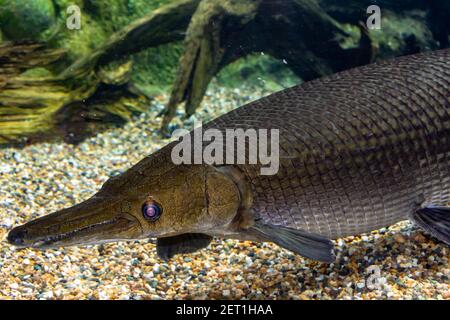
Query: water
column 85, row 88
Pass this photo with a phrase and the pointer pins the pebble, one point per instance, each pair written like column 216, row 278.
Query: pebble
column 399, row 238
column 3, row 232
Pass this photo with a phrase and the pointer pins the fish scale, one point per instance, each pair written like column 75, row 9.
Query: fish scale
column 360, row 150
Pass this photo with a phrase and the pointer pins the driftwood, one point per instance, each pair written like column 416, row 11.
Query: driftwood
column 164, row 25
column 221, row 32
column 307, row 35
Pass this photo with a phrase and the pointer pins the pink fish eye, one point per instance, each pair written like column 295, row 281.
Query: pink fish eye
column 151, row 211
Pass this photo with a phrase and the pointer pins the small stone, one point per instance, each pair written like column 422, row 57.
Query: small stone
column 3, row 233
column 102, row 295
column 47, row 295
column 361, row 285
column 419, row 238
column 17, row 157
column 399, row 238
column 5, row 168
column 8, row 222
column 239, row 293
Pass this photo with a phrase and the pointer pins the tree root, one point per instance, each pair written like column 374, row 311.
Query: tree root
column 289, row 30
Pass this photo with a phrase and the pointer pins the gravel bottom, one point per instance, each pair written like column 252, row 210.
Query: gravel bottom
column 400, row 262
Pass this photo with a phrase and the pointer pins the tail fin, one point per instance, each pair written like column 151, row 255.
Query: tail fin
column 435, row 220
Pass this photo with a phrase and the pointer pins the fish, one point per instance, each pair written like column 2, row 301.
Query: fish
column 359, row 150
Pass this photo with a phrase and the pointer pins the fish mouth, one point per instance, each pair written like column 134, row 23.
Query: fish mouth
column 74, row 226
column 101, row 232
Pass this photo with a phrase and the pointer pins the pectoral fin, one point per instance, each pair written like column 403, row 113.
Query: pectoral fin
column 167, row 247
column 435, row 220
column 306, row 244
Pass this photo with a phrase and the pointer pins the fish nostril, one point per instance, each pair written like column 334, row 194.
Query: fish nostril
column 16, row 236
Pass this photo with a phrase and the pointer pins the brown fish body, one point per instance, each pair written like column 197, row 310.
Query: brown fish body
column 359, row 150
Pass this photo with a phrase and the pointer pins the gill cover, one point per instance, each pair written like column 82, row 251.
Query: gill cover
column 221, row 203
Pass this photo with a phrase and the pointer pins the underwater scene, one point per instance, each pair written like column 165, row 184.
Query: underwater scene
column 224, row 149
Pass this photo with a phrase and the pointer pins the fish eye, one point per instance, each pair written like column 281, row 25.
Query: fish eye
column 151, row 210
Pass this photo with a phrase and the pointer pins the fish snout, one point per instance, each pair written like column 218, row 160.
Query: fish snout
column 50, row 232
column 17, row 236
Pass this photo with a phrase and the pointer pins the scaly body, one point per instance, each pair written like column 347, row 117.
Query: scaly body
column 359, row 150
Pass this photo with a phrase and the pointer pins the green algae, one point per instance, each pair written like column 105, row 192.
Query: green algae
column 24, row 19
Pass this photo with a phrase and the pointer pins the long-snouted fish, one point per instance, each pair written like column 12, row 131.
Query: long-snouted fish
column 359, row 150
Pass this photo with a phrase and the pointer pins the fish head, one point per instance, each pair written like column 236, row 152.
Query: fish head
column 155, row 198
column 185, row 199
